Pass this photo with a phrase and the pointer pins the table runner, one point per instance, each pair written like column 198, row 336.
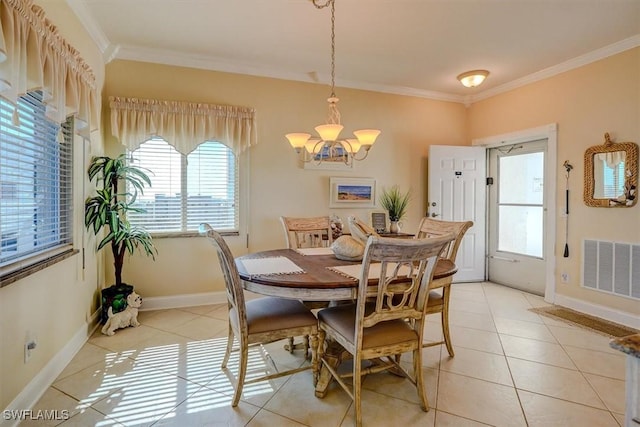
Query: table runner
column 355, row 270
column 270, row 265
column 314, row 251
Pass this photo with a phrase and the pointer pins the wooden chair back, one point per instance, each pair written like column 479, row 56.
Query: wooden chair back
column 429, row 228
column 406, row 269
column 233, row 286
column 309, row 232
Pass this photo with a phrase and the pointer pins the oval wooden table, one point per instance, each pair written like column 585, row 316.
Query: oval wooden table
column 317, row 283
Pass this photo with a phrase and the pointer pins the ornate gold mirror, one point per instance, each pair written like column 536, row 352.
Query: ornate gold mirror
column 611, row 174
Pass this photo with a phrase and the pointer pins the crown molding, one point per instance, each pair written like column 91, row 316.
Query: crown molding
column 160, row 56
column 78, row 7
column 577, row 62
column 168, row 57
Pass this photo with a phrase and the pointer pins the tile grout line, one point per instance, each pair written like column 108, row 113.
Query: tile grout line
column 515, row 389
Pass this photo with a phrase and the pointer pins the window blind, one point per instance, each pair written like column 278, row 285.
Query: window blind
column 187, row 190
column 36, row 180
column 613, row 180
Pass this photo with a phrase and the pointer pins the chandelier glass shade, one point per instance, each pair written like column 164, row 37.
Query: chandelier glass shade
column 329, row 146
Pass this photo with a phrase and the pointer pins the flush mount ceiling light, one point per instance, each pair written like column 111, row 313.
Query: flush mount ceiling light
column 473, row 78
column 328, row 147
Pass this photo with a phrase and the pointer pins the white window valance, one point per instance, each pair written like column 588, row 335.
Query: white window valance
column 612, row 159
column 33, row 56
column 184, row 125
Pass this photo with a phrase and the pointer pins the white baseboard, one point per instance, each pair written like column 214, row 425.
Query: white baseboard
column 607, row 313
column 30, row 395
column 189, row 300
column 186, row 300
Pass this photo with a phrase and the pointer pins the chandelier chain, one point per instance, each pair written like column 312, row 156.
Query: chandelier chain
column 333, row 49
column 333, row 40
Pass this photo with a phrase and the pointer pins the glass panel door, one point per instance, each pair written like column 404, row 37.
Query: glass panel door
column 517, row 216
column 520, row 204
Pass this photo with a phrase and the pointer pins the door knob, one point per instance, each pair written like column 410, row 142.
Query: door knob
column 433, row 215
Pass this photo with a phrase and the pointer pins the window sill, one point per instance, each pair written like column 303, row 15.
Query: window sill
column 172, row 235
column 21, row 273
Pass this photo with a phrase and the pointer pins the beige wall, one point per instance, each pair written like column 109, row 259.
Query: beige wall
column 278, row 185
column 587, row 102
column 55, row 304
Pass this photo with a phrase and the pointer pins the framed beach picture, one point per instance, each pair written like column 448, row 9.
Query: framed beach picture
column 352, row 192
column 325, row 160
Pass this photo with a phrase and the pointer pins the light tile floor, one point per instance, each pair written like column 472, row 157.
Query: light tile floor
column 512, row 368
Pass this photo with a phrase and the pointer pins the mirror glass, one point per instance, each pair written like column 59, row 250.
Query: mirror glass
column 611, row 174
column 608, row 175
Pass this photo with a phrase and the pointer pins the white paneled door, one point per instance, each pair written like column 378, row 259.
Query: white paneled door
column 457, row 193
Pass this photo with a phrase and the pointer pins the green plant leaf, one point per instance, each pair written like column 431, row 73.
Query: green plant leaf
column 109, row 207
column 395, row 202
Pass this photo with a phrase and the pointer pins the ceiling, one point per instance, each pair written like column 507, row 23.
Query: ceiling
column 413, row 47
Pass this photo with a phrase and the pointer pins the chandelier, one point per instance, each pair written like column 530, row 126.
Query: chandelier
column 328, row 147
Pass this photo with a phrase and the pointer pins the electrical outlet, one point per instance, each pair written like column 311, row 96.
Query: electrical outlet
column 565, row 277
column 29, row 346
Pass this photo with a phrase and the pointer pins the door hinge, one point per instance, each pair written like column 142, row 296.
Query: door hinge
column 489, row 180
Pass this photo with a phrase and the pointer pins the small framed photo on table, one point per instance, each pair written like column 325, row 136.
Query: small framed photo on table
column 379, row 221
column 352, row 192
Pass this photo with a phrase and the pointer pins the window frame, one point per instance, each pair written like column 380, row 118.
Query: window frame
column 63, row 213
column 238, row 191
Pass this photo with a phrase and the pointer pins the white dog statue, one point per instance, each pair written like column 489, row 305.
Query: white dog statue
column 125, row 318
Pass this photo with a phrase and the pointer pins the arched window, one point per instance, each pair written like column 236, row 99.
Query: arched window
column 187, row 190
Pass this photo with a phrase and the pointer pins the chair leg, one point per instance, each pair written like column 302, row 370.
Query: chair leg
column 417, row 373
column 314, row 358
column 242, row 372
column 444, row 316
column 357, row 390
column 291, row 345
column 227, row 353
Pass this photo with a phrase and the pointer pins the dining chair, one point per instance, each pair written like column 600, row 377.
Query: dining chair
column 440, row 294
column 259, row 321
column 307, row 232
column 388, row 319
column 311, row 232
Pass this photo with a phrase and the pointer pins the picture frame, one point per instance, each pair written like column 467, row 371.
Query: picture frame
column 379, row 221
column 352, row 192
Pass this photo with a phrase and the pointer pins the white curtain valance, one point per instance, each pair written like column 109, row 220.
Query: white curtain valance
column 182, row 124
column 612, row 159
column 33, row 56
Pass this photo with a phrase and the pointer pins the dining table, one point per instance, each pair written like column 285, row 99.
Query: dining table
column 308, row 275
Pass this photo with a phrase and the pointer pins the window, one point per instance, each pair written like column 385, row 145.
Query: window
column 36, row 206
column 187, row 190
column 613, row 178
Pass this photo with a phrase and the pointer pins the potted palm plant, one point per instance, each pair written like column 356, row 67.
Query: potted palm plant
column 396, row 203
column 108, row 210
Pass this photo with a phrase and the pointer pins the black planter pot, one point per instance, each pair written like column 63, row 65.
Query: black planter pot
column 114, row 297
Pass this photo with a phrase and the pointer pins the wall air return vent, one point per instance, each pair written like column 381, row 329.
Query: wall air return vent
column 612, row 267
